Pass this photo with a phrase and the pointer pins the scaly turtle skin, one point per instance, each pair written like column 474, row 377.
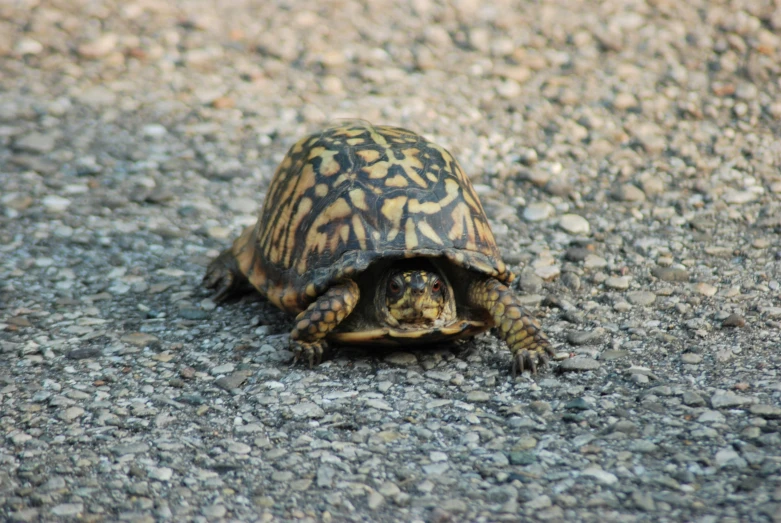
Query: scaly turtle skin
column 373, row 234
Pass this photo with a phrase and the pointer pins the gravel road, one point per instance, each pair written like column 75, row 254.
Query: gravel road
column 627, row 154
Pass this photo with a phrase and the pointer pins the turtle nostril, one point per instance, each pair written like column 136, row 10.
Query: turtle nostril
column 417, row 285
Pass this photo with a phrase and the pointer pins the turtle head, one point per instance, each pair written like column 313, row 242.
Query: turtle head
column 415, row 295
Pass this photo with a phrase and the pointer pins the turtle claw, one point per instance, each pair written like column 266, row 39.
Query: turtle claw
column 312, row 352
column 222, row 282
column 224, row 277
column 528, row 360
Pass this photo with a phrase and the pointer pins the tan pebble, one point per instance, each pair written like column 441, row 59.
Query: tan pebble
column 629, row 193
column 548, row 273
column 223, row 102
column 99, row 47
column 739, row 197
column 653, row 186
column 218, row 233
column 519, row 74
column 618, row 282
column 706, row 289
column 624, row 101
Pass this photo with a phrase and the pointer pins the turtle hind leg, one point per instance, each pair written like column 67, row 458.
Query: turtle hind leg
column 522, row 333
column 223, row 275
column 307, row 339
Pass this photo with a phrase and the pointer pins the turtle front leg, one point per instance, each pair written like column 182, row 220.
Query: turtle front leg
column 321, row 317
column 528, row 344
column 225, row 277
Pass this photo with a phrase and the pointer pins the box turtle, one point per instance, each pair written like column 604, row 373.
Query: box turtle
column 373, row 234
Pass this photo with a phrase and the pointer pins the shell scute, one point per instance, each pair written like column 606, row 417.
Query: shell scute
column 356, row 193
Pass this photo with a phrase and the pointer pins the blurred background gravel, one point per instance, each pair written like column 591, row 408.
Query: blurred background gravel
column 628, row 157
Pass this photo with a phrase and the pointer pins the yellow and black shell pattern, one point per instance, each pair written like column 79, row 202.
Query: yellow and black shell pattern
column 352, row 194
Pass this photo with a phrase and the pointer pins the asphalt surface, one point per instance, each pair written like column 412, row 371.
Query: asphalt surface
column 629, row 160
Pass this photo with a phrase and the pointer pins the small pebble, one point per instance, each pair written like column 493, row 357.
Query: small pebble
column 574, row 224
column 706, row 289
column 528, row 157
column 160, row 473
column 84, row 353
column 99, row 47
column 548, row 272
column 71, row 413
column 593, row 262
column 641, row 298
column 600, row 475
column 730, row 400
column 765, row 411
column 623, row 101
column 28, row 46
column 233, row 381
column 579, row 364
column 213, row 512
column 583, row 337
column 140, row 339
column 401, row 358
column 711, row 416
column 691, row 358
column 734, row 320
column 629, row 193
column 644, row 501
column 693, row 399
column 56, row 203
column 538, row 211
column 193, row 313
column 476, row 396
column 68, row 510
column 218, row 233
column 577, row 254
column 578, row 404
column 530, row 283
column 739, row 197
column 571, row 281
column 307, row 409
column 38, row 143
column 225, row 368
column 509, row 89
column 375, row 501
column 725, row 456
column 671, row 274
column 620, row 283
column 239, row 448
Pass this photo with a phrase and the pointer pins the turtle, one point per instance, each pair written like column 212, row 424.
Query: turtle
column 372, row 234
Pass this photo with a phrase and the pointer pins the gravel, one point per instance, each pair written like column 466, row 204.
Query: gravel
column 627, row 157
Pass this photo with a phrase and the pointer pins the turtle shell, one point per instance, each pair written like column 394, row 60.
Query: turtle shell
column 356, row 193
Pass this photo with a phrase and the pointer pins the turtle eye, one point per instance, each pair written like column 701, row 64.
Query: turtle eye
column 394, row 286
column 437, row 286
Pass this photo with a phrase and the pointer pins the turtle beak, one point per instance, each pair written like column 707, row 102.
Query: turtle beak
column 418, row 287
